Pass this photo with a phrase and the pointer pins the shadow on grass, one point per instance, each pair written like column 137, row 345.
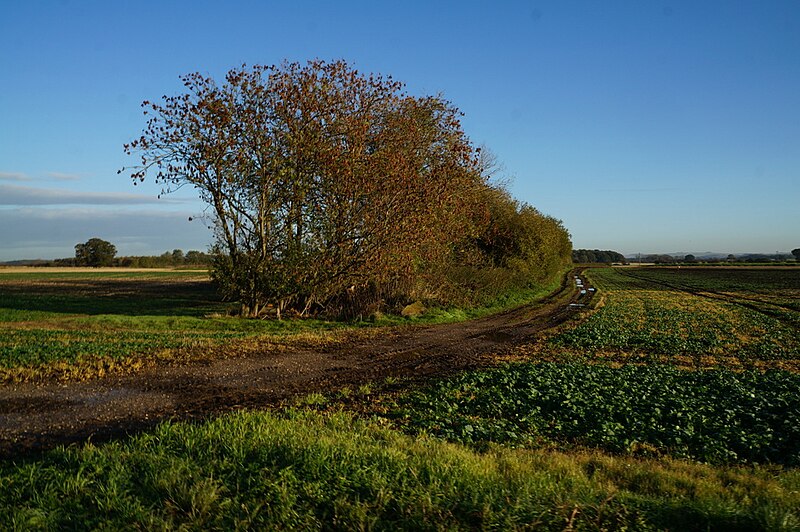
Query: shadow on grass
column 124, row 297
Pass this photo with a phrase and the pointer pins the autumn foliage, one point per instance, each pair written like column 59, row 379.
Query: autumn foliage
column 332, row 191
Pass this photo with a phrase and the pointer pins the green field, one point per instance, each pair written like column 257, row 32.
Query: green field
column 79, row 325
column 712, row 416
column 301, row 470
column 667, row 315
column 674, row 405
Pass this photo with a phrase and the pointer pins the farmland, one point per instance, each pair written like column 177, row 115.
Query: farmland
column 673, row 316
column 74, row 325
column 79, row 324
column 674, row 404
column 654, row 371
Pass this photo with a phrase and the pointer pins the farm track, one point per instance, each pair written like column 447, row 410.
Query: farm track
column 38, row 417
column 773, row 310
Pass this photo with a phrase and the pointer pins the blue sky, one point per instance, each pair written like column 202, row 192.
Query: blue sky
column 644, row 126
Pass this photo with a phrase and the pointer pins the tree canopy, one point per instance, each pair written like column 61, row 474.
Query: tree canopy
column 95, row 252
column 322, row 182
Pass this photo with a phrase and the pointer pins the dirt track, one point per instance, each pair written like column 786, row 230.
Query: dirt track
column 37, row 417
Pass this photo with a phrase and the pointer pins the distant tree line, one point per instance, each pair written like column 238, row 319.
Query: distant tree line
column 336, row 193
column 748, row 257
column 166, row 260
column 97, row 252
column 585, row 256
column 173, row 258
column 764, row 257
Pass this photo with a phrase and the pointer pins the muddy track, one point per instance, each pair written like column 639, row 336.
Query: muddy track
column 39, row 417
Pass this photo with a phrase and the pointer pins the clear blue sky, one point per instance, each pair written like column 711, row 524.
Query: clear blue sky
column 645, row 126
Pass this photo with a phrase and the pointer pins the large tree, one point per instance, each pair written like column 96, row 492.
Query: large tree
column 95, row 252
column 321, row 180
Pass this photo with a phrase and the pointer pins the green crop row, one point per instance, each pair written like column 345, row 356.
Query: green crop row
column 641, row 317
column 717, row 416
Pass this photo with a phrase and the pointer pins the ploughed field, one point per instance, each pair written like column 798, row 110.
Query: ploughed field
column 669, row 400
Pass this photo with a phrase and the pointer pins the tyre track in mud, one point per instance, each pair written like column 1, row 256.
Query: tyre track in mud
column 38, row 417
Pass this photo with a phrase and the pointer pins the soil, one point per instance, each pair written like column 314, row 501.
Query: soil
column 34, row 418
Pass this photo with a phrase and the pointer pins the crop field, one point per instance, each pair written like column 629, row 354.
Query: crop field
column 712, row 416
column 654, row 371
column 84, row 324
column 674, row 405
column 673, row 316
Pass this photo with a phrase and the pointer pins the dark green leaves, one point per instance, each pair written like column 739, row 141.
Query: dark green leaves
column 715, row 416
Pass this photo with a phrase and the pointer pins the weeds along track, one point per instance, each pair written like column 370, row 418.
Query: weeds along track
column 38, row 417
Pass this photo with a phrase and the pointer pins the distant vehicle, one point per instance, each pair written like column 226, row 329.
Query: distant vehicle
column 591, row 290
column 583, row 292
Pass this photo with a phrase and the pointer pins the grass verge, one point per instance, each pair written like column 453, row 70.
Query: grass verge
column 305, row 470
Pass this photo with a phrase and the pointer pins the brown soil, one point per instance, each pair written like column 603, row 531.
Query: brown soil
column 38, row 417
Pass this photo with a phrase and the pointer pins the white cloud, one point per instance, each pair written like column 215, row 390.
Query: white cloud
column 21, row 195
column 14, row 176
